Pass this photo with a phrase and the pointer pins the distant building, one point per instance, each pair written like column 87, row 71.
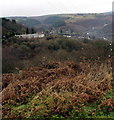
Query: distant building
column 68, row 36
column 36, row 35
column 104, row 38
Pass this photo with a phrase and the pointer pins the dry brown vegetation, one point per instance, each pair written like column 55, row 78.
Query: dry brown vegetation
column 57, row 89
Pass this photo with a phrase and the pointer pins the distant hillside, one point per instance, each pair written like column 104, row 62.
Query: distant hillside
column 53, row 19
column 107, row 13
column 29, row 22
column 107, row 30
column 94, row 24
column 79, row 23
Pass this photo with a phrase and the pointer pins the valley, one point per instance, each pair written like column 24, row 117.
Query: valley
column 57, row 67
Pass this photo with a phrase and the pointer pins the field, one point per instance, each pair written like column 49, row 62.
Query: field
column 57, row 77
column 73, row 19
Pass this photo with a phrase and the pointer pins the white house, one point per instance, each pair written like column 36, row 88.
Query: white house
column 36, row 35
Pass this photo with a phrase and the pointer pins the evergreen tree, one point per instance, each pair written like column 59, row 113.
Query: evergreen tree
column 27, row 31
column 32, row 31
column 14, row 21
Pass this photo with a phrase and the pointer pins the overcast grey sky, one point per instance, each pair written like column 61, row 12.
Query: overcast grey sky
column 44, row 7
